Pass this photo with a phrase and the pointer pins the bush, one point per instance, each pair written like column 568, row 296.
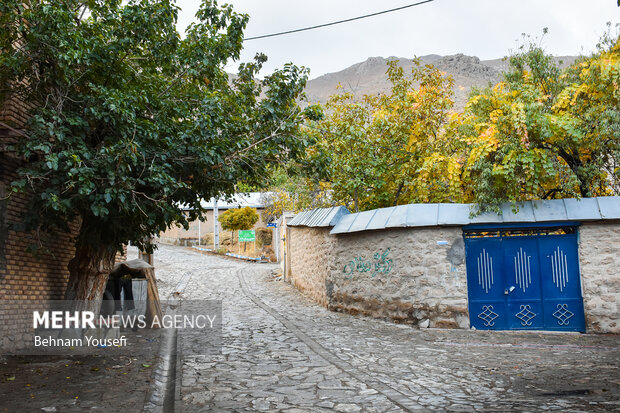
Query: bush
column 263, row 237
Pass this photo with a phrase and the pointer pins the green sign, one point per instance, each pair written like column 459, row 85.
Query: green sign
column 247, row 236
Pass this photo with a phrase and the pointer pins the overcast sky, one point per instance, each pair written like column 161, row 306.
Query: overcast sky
column 484, row 28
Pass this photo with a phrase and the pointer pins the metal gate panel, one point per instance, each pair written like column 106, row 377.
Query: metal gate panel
column 522, row 283
column 519, row 281
column 487, row 303
column 563, row 303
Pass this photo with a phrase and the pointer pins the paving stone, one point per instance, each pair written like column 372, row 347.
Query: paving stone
column 347, row 408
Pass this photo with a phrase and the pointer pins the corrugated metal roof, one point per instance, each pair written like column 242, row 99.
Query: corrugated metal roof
column 425, row 215
column 319, row 217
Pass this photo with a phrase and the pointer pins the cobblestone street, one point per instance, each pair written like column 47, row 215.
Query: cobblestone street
column 282, row 352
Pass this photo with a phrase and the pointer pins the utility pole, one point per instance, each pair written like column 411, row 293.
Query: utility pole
column 276, row 237
column 199, row 231
column 216, row 227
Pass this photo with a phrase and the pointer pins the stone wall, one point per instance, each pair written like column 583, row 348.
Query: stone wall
column 411, row 276
column 310, row 259
column 599, row 257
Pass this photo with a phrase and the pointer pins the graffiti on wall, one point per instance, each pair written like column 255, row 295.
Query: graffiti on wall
column 380, row 264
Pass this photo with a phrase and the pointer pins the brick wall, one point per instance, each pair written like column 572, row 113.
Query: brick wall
column 13, row 112
column 25, row 276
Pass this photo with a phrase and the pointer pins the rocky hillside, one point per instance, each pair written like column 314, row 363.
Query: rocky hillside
column 369, row 77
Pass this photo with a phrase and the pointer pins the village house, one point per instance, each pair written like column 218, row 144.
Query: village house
column 551, row 265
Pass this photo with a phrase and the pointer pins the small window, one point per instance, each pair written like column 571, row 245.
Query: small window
column 482, row 234
column 520, row 232
column 557, row 231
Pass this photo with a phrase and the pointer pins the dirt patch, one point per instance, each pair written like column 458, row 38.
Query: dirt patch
column 78, row 383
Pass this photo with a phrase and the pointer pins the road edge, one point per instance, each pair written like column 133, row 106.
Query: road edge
column 161, row 396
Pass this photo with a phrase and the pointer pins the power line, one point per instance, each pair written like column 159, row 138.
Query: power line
column 339, row 21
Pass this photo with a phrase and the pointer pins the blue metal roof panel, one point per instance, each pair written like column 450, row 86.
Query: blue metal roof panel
column 398, row 218
column 609, row 207
column 316, row 218
column 344, row 224
column 320, row 217
column 487, row 218
column 585, row 208
column 422, row 215
column 336, row 214
column 362, row 220
column 380, row 219
column 453, row 214
column 525, row 212
column 297, row 219
column 549, row 210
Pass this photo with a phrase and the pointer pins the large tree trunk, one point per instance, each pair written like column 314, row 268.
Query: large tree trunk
column 89, row 271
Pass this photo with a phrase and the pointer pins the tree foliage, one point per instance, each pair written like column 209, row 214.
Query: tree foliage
column 238, row 219
column 130, row 121
column 392, row 148
column 295, row 188
column 546, row 132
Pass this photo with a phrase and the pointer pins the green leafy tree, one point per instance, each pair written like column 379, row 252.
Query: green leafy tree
column 545, row 132
column 130, row 121
column 294, row 188
column 238, row 219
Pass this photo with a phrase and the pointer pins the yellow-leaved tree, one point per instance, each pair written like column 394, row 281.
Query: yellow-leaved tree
column 392, row 148
column 545, row 132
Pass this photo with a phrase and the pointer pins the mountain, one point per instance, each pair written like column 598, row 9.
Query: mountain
column 369, row 77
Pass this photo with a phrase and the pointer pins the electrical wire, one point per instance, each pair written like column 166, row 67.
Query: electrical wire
column 339, row 21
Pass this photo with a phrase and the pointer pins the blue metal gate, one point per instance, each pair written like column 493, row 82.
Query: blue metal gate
column 524, row 278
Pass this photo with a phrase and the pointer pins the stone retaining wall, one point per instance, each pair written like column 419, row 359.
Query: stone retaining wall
column 311, row 254
column 411, row 276
column 599, row 258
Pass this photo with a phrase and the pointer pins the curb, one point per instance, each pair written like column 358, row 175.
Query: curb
column 229, row 256
column 161, row 396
